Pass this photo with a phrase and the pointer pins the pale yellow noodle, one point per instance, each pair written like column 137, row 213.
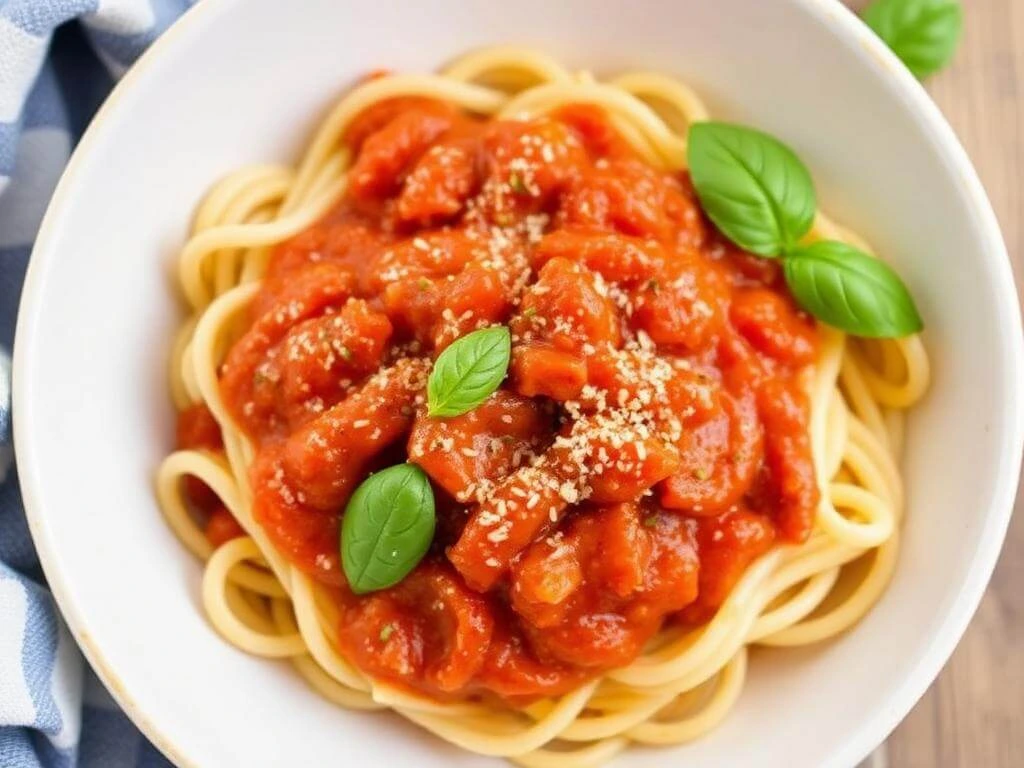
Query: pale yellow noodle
column 537, row 66
column 595, row 754
column 895, row 427
column 225, row 620
column 180, row 395
column 246, row 607
column 688, row 728
column 209, row 241
column 242, row 209
column 795, row 607
column 861, row 401
column 211, row 210
column 688, row 106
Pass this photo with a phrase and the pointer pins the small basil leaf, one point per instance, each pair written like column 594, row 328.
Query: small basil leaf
column 922, row 33
column 850, row 290
column 387, row 528
column 468, row 371
column 752, row 186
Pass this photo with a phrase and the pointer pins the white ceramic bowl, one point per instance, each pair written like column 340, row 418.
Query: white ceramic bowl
column 242, row 81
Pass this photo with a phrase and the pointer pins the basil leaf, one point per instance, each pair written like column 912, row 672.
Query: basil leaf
column 387, row 528
column 922, row 33
column 468, row 371
column 752, row 186
column 850, row 290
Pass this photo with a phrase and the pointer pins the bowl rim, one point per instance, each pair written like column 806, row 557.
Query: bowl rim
column 839, row 20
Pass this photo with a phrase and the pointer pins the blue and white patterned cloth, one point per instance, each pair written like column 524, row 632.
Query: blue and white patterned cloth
column 58, row 59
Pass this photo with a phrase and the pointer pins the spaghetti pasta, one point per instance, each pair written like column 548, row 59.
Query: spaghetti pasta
column 686, row 681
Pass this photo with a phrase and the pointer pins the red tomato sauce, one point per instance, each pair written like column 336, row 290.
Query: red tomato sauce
column 650, row 441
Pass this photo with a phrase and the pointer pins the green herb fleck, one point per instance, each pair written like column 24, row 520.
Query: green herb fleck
column 345, row 353
column 518, row 185
column 701, row 473
column 386, row 632
column 651, row 521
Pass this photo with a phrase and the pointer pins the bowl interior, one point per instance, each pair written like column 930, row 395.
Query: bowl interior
column 241, row 82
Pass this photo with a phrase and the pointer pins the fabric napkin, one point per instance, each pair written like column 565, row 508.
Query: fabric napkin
column 58, row 59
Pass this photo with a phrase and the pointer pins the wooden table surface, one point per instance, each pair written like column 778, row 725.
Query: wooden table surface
column 973, row 716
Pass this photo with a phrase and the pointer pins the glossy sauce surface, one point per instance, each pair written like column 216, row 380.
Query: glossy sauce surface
column 650, row 441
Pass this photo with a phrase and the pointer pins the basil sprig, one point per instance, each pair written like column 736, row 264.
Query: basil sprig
column 760, row 195
column 468, row 371
column 387, row 528
column 922, row 33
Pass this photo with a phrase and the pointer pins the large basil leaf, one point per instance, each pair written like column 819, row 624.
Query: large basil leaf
column 752, row 186
column 850, row 290
column 387, row 528
column 922, row 33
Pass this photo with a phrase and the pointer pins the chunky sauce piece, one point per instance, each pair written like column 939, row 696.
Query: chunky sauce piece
column 650, row 441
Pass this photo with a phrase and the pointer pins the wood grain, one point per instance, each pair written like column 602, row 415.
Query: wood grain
column 973, row 716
